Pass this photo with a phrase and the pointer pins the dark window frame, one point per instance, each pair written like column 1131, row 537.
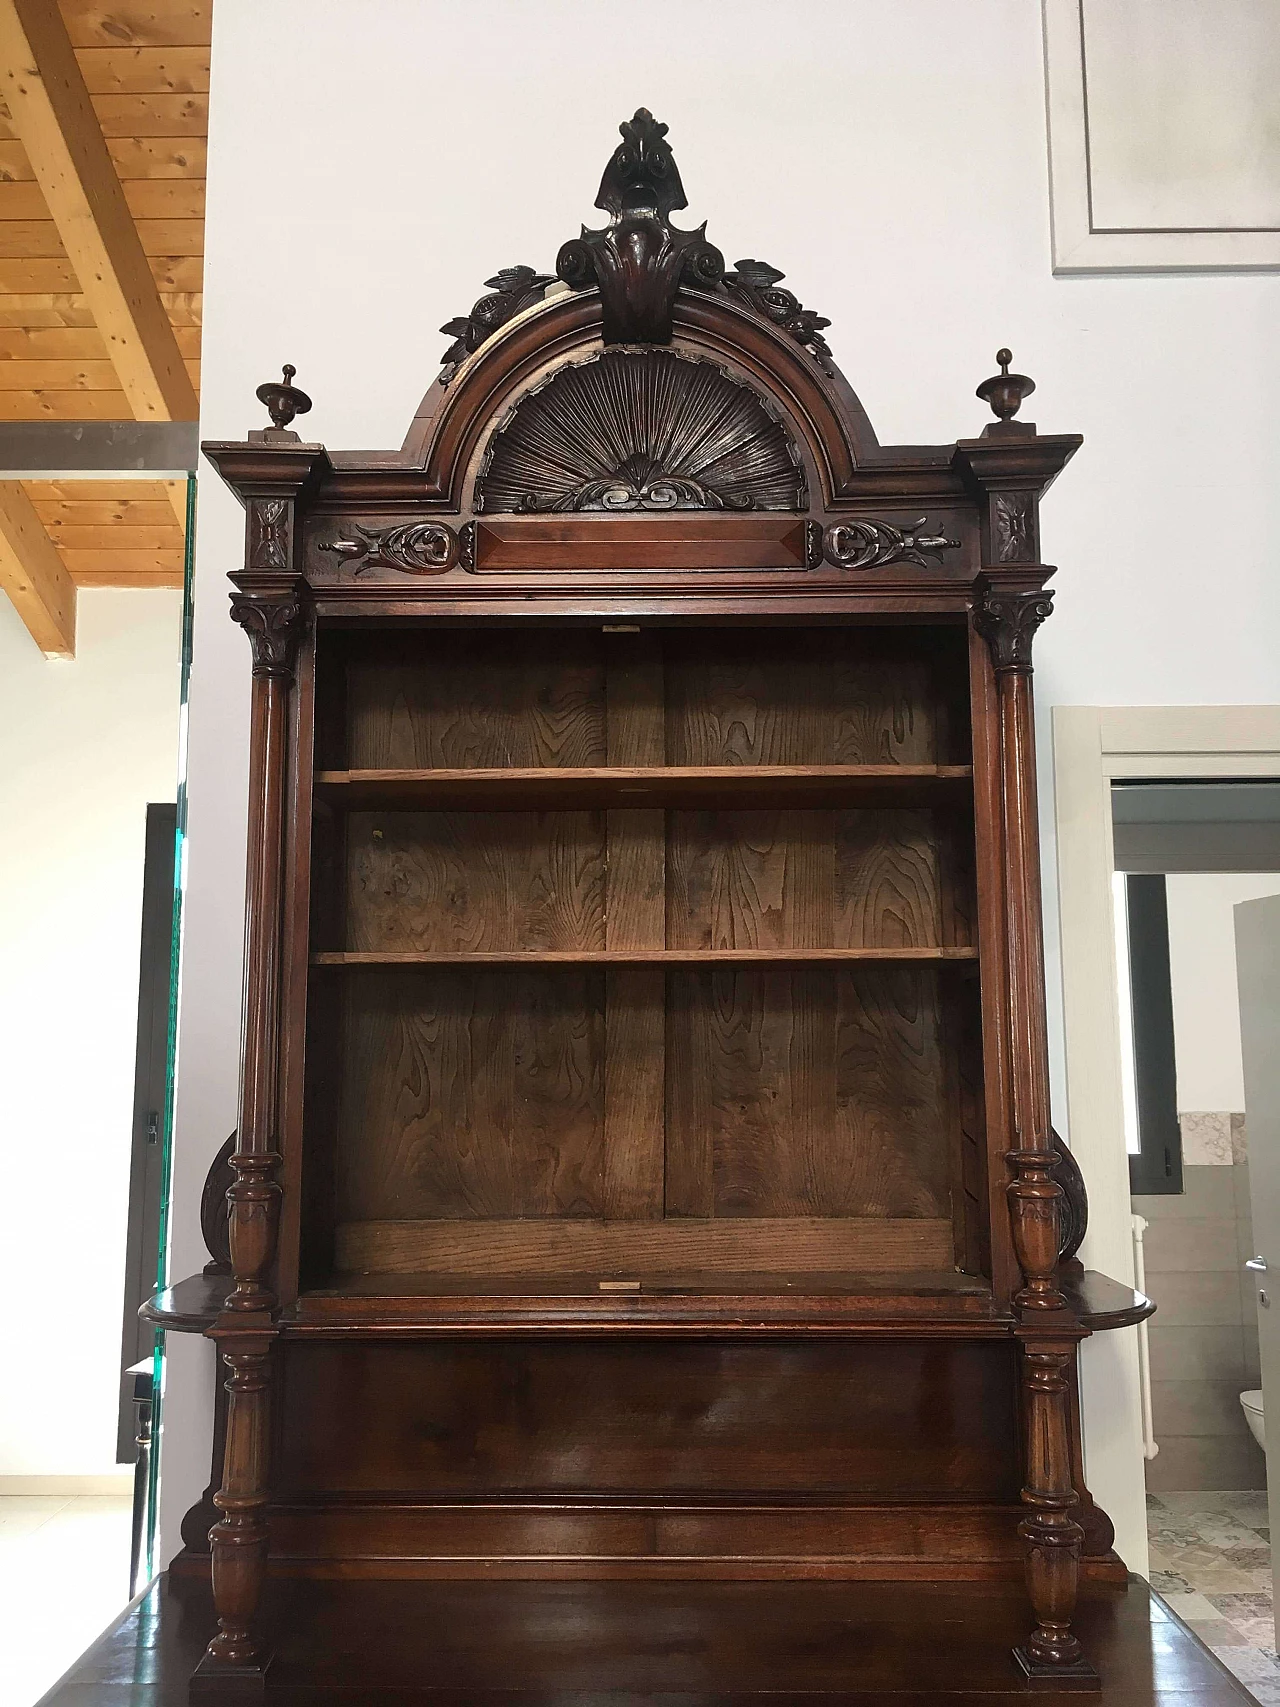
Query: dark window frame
column 1157, row 1167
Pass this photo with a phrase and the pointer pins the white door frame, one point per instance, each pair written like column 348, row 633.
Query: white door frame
column 1092, row 747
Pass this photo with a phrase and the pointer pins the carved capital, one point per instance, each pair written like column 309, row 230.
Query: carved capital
column 1007, row 618
column 275, row 625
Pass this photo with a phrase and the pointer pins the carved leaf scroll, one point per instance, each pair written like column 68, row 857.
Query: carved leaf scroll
column 417, row 548
column 755, row 284
column 641, row 429
column 865, row 543
column 511, row 290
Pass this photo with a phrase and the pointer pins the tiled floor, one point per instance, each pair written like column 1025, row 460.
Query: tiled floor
column 64, row 1575
column 1211, row 1560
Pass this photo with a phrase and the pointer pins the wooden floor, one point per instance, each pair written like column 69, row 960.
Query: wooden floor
column 614, row 1644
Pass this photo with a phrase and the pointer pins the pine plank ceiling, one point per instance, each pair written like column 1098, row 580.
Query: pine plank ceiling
column 145, row 68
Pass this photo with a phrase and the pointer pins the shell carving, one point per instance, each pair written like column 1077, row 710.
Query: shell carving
column 640, row 429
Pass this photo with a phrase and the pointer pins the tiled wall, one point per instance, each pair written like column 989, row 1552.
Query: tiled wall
column 1204, row 1336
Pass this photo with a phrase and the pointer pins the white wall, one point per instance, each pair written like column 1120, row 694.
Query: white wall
column 84, row 745
column 891, row 156
column 1202, row 972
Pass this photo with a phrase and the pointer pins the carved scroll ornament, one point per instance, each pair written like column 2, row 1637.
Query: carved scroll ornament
column 866, row 544
column 417, row 548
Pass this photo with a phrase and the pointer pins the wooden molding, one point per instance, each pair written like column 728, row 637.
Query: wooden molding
column 34, row 575
column 56, row 123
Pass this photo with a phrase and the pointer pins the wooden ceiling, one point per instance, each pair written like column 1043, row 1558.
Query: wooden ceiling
column 116, row 349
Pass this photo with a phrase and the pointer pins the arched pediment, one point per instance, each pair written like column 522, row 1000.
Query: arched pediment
column 640, row 284
column 465, row 409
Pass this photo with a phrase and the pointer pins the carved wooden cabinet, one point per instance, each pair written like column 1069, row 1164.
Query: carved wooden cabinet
column 644, row 1166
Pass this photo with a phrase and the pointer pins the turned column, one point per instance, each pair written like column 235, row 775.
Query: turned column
column 269, row 607
column 1010, row 606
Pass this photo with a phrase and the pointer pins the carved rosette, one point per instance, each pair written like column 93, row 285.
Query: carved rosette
column 275, row 626
column 269, row 533
column 1008, row 619
column 1013, row 527
column 416, row 548
column 866, row 544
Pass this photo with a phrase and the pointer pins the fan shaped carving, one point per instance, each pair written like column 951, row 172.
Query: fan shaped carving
column 641, row 429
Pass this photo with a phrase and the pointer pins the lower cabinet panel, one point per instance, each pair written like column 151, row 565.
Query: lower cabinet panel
column 654, row 1457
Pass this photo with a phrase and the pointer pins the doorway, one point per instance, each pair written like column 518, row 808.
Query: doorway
column 1180, row 849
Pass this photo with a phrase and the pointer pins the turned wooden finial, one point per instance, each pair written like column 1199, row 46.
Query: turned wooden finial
column 283, row 400
column 1004, row 391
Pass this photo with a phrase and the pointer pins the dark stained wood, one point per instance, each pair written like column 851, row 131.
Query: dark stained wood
column 644, row 1165
column 569, row 1243
column 477, row 881
column 804, row 1093
column 472, row 1093
column 642, row 956
column 659, row 1644
column 764, row 1422
column 478, row 700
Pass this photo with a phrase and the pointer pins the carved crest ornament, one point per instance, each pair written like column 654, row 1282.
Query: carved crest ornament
column 638, row 261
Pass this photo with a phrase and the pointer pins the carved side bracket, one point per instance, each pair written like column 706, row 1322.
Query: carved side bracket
column 417, row 548
column 275, row 624
column 1008, row 618
column 866, row 544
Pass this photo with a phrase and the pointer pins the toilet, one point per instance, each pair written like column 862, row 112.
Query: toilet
column 1252, row 1405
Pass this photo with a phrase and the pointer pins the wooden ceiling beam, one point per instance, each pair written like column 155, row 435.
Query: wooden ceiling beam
column 34, row 576
column 53, row 117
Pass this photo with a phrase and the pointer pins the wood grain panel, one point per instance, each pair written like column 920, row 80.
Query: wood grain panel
column 636, row 724
column 479, row 700
column 750, row 879
column 888, row 880
column 475, row 881
column 637, row 876
column 529, row 1539
column 805, row 1092
column 469, row 1094
column 834, row 696
column 873, row 1418
column 138, row 23
column 648, row 1249
column 634, row 1076
column 805, row 879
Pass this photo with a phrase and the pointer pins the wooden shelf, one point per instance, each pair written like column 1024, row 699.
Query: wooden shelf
column 650, row 957
column 650, row 785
